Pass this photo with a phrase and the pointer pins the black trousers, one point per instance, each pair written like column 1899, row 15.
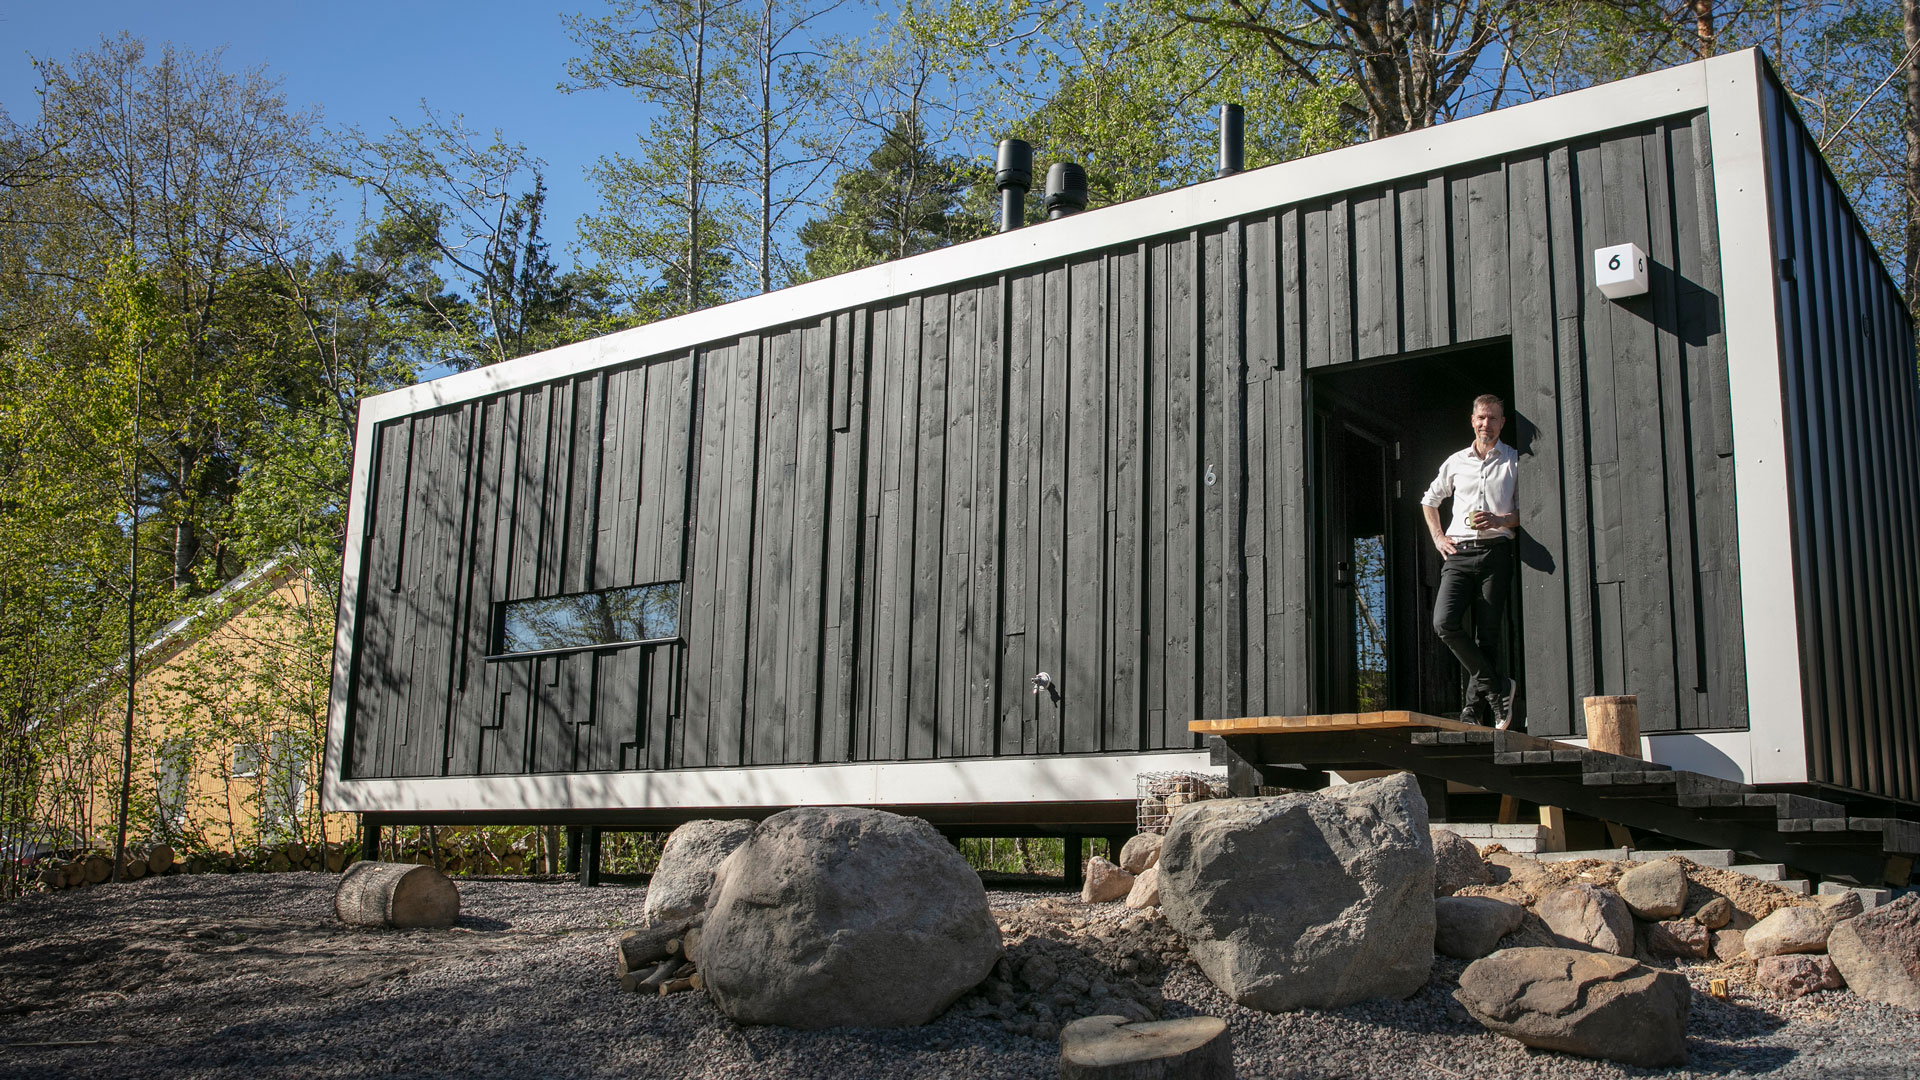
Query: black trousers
column 1475, row 580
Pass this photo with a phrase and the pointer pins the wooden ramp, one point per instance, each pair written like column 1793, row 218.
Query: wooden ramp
column 1813, row 835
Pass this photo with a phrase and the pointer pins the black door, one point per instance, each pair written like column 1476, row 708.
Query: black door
column 1357, row 571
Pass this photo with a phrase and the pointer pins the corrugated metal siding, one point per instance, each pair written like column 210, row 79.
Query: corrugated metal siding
column 898, row 514
column 1852, row 419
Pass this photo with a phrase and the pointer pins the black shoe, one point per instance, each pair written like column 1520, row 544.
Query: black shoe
column 1476, row 713
column 1503, row 701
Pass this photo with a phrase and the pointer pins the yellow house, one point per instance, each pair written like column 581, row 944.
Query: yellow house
column 229, row 718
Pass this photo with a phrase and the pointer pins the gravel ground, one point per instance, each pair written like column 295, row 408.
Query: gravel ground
column 250, row 976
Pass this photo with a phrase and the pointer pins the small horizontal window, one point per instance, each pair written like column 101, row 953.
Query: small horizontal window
column 590, row 620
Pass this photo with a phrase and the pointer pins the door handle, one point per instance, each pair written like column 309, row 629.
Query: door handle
column 1342, row 576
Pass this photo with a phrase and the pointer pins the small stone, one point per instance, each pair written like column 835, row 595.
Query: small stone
column 1715, row 913
column 1140, row 853
column 1878, row 952
column 1587, row 916
column 1728, row 944
column 1790, row 930
column 1592, row 1004
column 1146, row 889
column 1796, row 975
column 1104, row 881
column 1655, row 890
column 1456, row 863
column 1470, row 927
column 1037, row 973
column 1679, row 937
column 1841, row 906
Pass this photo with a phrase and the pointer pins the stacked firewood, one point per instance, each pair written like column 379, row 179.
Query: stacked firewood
column 95, row 867
column 659, row 959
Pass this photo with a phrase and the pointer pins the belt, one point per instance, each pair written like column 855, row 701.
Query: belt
column 1480, row 545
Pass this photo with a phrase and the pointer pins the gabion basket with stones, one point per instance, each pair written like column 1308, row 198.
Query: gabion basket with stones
column 1158, row 793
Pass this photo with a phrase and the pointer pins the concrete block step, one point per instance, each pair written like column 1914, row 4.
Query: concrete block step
column 1771, row 871
column 1794, row 885
column 1870, row 898
column 1618, row 854
column 1720, row 857
column 1486, row 831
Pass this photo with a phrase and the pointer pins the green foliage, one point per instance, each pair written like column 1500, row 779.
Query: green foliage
column 908, row 199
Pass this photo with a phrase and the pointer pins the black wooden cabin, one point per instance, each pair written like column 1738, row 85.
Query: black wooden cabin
column 817, row 545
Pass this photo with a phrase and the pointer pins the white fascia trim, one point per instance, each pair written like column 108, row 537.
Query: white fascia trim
column 346, row 619
column 1105, row 778
column 1763, row 518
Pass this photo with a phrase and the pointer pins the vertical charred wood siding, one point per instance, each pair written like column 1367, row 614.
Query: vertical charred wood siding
column 889, row 518
column 1848, row 381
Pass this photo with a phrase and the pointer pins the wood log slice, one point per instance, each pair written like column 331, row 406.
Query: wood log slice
column 397, row 895
column 336, row 859
column 99, row 868
column 1114, row 1048
column 1613, row 724
column 159, row 858
column 134, row 868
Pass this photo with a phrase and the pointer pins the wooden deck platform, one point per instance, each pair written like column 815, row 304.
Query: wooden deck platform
column 1367, row 721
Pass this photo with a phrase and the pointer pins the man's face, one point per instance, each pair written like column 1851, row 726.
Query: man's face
column 1487, row 422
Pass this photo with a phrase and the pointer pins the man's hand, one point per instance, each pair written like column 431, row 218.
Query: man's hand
column 1444, row 544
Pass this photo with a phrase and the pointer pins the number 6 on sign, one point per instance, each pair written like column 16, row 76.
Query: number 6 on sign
column 1620, row 271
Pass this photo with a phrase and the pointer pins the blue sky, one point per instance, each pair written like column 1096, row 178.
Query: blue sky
column 362, row 63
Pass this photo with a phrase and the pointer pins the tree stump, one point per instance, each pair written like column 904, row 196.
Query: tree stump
column 395, row 895
column 159, row 859
column 1113, row 1048
column 99, row 868
column 1613, row 724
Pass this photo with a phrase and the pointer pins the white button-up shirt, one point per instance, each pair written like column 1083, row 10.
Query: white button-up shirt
column 1476, row 483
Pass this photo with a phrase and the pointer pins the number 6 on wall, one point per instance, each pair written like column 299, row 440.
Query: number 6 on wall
column 1620, row 271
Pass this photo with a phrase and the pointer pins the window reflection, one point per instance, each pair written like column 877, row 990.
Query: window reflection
column 608, row 617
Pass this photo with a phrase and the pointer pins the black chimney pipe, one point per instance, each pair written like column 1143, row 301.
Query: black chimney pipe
column 1233, row 143
column 1066, row 190
column 1013, row 175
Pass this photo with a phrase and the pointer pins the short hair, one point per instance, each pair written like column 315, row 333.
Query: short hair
column 1490, row 399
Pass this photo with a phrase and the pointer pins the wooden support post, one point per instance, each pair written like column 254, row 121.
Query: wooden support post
column 1613, row 725
column 573, row 849
column 1075, row 874
column 1434, row 790
column 590, row 837
column 369, row 838
column 1554, row 821
column 1509, row 810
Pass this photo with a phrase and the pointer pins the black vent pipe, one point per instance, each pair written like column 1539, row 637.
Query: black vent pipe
column 1066, row 190
column 1233, row 142
column 1013, row 175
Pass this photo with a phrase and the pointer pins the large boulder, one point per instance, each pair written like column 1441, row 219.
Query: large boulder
column 1470, row 927
column 678, row 890
column 844, row 917
column 1456, row 863
column 1311, row 900
column 1878, row 952
column 1796, row 975
column 1655, row 890
column 1593, row 1004
column 1586, row 916
column 1790, row 930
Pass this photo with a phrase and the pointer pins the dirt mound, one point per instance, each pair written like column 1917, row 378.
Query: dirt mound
column 1066, row 960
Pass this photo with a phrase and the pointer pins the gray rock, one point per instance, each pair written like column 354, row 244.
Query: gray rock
column 1104, row 881
column 1655, row 890
column 1715, row 913
column 1878, row 952
column 1796, row 975
column 1593, row 1004
column 1146, row 889
column 844, row 917
column 1790, row 930
column 1456, row 863
column 1470, row 927
column 1140, row 853
column 1306, row 900
column 1586, row 916
column 1679, row 937
column 679, row 888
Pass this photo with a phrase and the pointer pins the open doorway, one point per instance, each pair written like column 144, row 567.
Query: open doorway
column 1380, row 431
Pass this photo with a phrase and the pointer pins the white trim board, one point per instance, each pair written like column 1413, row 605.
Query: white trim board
column 1029, row 780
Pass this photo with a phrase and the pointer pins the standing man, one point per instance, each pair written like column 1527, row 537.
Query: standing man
column 1478, row 551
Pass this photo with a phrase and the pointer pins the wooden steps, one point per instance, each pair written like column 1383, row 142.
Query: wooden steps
column 1812, row 835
